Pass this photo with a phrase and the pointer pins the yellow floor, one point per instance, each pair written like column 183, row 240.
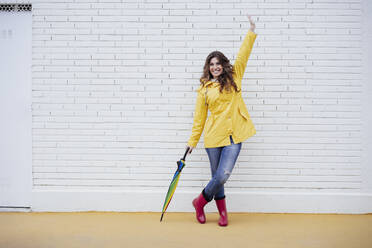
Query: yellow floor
column 110, row 229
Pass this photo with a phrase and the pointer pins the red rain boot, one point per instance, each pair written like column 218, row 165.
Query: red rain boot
column 199, row 204
column 221, row 205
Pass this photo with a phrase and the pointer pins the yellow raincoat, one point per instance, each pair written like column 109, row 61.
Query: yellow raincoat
column 229, row 114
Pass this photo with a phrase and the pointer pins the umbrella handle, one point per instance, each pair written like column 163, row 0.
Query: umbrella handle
column 184, row 156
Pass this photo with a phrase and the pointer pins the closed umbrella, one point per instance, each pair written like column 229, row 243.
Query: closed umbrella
column 174, row 182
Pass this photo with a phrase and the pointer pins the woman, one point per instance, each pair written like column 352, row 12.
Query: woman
column 228, row 125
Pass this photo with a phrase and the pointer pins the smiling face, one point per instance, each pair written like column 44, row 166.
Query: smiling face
column 215, row 67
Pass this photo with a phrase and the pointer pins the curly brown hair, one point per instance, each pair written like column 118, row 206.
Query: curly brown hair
column 226, row 78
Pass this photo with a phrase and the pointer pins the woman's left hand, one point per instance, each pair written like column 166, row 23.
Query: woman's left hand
column 253, row 25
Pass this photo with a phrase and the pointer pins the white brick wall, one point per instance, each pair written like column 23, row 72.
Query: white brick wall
column 114, row 82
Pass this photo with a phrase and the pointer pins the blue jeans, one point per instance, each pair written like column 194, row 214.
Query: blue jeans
column 222, row 161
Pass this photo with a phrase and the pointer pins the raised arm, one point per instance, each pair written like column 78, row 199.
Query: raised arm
column 243, row 54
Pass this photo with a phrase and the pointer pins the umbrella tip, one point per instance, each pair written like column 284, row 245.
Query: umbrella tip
column 161, row 218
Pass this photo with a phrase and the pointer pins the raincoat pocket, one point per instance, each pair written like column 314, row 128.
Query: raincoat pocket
column 243, row 112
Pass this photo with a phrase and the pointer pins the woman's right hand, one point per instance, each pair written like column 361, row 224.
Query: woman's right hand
column 190, row 148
